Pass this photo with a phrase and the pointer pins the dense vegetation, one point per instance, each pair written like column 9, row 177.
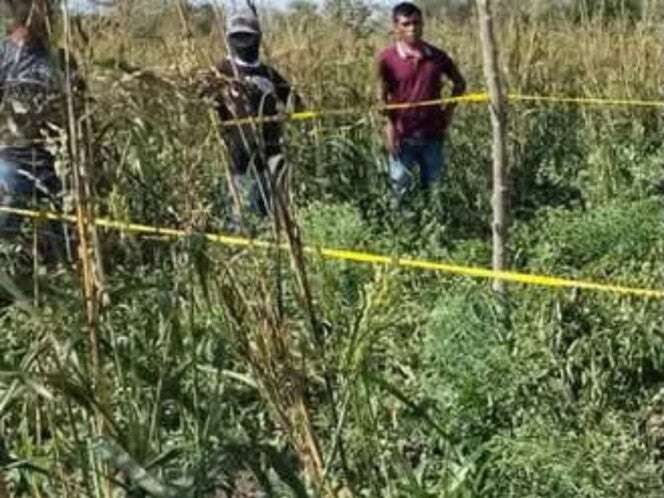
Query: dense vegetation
column 225, row 371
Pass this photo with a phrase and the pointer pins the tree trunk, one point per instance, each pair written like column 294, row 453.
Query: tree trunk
column 498, row 110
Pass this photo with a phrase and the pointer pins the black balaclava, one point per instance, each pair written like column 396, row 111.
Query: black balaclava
column 245, row 46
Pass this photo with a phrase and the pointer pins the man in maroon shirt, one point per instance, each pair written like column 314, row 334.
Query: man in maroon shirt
column 410, row 71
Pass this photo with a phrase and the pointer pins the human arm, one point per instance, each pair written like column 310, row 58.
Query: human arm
column 287, row 96
column 383, row 97
column 221, row 90
column 451, row 71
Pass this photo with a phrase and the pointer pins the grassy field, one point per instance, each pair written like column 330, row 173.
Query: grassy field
column 236, row 372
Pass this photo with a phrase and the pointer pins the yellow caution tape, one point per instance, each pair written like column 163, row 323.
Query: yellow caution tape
column 309, row 115
column 356, row 256
column 471, row 98
column 587, row 101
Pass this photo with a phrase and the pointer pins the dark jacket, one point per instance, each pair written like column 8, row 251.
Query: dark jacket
column 252, row 91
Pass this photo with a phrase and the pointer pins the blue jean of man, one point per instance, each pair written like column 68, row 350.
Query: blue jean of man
column 426, row 153
column 256, row 188
column 18, row 187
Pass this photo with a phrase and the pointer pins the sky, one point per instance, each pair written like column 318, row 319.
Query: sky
column 86, row 4
column 284, row 3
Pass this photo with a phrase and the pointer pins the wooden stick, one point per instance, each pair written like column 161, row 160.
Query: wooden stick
column 498, row 111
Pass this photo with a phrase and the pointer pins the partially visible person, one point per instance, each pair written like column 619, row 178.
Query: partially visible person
column 412, row 71
column 33, row 87
column 252, row 89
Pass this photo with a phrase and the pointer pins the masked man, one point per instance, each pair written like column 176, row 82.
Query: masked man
column 252, row 89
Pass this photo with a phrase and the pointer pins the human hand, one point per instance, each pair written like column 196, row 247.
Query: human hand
column 391, row 139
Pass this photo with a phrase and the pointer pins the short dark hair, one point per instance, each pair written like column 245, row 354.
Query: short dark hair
column 405, row 9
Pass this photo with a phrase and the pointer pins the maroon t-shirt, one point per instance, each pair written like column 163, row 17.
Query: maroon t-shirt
column 413, row 79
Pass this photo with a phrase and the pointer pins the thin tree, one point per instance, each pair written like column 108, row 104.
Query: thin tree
column 498, row 110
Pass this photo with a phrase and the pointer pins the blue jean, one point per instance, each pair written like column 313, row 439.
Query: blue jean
column 253, row 190
column 18, row 187
column 256, row 189
column 428, row 154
